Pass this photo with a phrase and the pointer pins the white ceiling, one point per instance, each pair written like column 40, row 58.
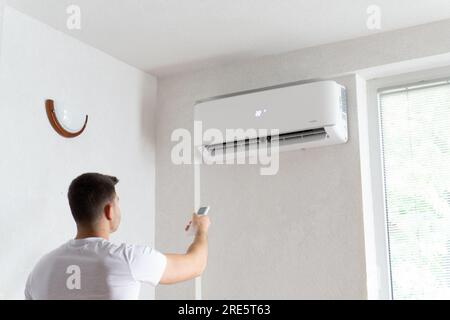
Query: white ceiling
column 169, row 36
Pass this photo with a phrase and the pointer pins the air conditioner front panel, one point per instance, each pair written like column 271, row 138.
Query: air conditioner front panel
column 306, row 106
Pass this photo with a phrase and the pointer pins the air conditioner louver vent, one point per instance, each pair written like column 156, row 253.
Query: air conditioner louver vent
column 285, row 138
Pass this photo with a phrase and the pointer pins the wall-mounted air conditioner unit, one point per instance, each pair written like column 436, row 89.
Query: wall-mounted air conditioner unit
column 306, row 115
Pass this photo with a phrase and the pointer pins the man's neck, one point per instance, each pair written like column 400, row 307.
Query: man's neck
column 83, row 233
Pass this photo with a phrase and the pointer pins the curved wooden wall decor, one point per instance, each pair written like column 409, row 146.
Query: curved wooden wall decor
column 50, row 108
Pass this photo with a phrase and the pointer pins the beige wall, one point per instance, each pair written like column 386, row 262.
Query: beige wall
column 298, row 234
column 295, row 235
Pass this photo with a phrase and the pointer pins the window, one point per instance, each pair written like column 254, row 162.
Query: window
column 415, row 142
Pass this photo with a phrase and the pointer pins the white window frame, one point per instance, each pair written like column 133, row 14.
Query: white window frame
column 377, row 254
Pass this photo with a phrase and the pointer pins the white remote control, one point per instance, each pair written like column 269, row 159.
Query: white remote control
column 203, row 211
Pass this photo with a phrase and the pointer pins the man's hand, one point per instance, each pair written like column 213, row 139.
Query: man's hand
column 200, row 222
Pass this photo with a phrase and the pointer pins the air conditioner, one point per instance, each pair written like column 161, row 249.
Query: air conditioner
column 306, row 116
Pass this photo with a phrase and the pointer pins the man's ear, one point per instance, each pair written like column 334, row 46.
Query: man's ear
column 108, row 211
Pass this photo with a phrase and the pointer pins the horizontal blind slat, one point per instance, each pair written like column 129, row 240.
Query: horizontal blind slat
column 415, row 129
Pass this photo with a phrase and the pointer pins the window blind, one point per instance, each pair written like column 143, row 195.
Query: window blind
column 415, row 138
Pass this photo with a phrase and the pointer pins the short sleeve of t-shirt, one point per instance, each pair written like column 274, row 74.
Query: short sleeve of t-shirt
column 146, row 264
column 28, row 289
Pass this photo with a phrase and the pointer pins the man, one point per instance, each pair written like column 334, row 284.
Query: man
column 92, row 267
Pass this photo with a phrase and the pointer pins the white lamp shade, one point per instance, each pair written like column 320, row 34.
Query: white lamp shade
column 70, row 120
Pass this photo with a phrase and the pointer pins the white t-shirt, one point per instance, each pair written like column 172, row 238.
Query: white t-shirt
column 94, row 268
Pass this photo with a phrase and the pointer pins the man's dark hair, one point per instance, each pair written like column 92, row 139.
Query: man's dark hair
column 88, row 194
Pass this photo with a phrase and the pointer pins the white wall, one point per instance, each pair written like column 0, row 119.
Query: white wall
column 37, row 165
column 2, row 6
column 315, row 203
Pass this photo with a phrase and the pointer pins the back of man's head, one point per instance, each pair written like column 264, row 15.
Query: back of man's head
column 88, row 194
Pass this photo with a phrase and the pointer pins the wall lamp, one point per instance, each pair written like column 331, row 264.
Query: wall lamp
column 63, row 121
